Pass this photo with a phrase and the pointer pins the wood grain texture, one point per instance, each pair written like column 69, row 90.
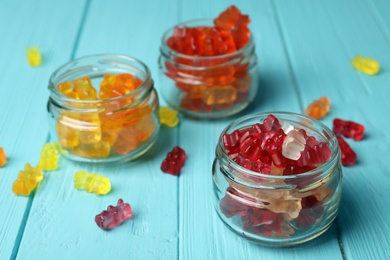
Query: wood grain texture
column 324, row 69
column 23, row 97
column 304, row 50
column 66, row 221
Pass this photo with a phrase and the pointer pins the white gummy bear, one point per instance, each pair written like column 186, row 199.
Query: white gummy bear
column 293, row 145
column 287, row 127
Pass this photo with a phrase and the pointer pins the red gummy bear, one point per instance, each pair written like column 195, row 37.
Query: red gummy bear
column 114, row 215
column 312, row 210
column 348, row 129
column 262, row 222
column 348, row 156
column 174, row 161
column 231, row 205
column 228, row 18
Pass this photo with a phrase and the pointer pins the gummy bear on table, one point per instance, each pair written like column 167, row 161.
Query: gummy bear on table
column 28, row 180
column 174, row 161
column 92, row 182
column 114, row 215
column 3, row 157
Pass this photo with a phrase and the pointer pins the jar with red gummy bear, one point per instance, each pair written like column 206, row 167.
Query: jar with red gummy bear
column 212, row 86
column 271, row 199
column 103, row 108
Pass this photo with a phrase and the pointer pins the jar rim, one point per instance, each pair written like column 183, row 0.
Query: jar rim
column 58, row 95
column 334, row 148
column 177, row 54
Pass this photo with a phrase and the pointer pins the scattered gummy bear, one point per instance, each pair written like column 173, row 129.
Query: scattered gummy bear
column 366, row 65
column 49, row 157
column 168, row 117
column 92, row 182
column 348, row 129
column 319, row 108
column 114, row 215
column 27, row 180
column 3, row 157
column 34, row 56
column 348, row 156
column 174, row 161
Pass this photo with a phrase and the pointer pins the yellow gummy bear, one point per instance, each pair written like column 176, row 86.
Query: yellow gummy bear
column 366, row 65
column 92, row 182
column 49, row 157
column 168, row 117
column 219, row 95
column 34, row 56
column 27, row 180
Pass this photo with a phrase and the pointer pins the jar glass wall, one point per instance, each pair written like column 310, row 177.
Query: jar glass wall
column 110, row 129
column 208, row 86
column 278, row 210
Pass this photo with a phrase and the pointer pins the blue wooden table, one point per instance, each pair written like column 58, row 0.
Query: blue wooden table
column 304, row 48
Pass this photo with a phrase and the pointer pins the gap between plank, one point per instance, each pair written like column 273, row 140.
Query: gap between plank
column 80, row 30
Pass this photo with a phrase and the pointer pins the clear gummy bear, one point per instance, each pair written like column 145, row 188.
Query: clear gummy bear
column 293, row 145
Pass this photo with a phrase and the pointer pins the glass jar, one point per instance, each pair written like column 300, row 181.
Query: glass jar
column 110, row 129
column 208, row 86
column 278, row 210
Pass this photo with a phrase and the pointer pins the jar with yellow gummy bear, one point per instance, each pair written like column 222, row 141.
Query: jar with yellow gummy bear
column 277, row 202
column 103, row 108
column 207, row 86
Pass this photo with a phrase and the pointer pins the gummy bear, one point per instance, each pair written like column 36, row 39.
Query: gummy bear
column 228, row 18
column 293, row 145
column 34, row 56
column 319, row 108
column 66, row 88
column 3, row 157
column 312, row 210
column 27, row 180
column 114, row 215
column 49, row 157
column 366, row 65
column 219, row 95
column 84, row 89
column 348, row 129
column 168, row 117
column 263, row 222
column 348, row 156
column 92, row 182
column 174, row 161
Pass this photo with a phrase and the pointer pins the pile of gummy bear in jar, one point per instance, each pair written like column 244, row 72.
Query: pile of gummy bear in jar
column 218, row 85
column 272, row 149
column 103, row 134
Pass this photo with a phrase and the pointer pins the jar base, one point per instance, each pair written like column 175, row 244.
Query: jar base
column 278, row 242
column 211, row 115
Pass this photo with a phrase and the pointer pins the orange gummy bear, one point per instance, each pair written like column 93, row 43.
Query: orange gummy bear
column 318, row 108
column 3, row 157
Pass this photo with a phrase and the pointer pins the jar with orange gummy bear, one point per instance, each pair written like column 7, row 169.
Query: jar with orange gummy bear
column 211, row 79
column 103, row 108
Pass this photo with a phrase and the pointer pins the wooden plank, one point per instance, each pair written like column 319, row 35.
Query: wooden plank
column 23, row 97
column 202, row 234
column 66, row 221
column 321, row 46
